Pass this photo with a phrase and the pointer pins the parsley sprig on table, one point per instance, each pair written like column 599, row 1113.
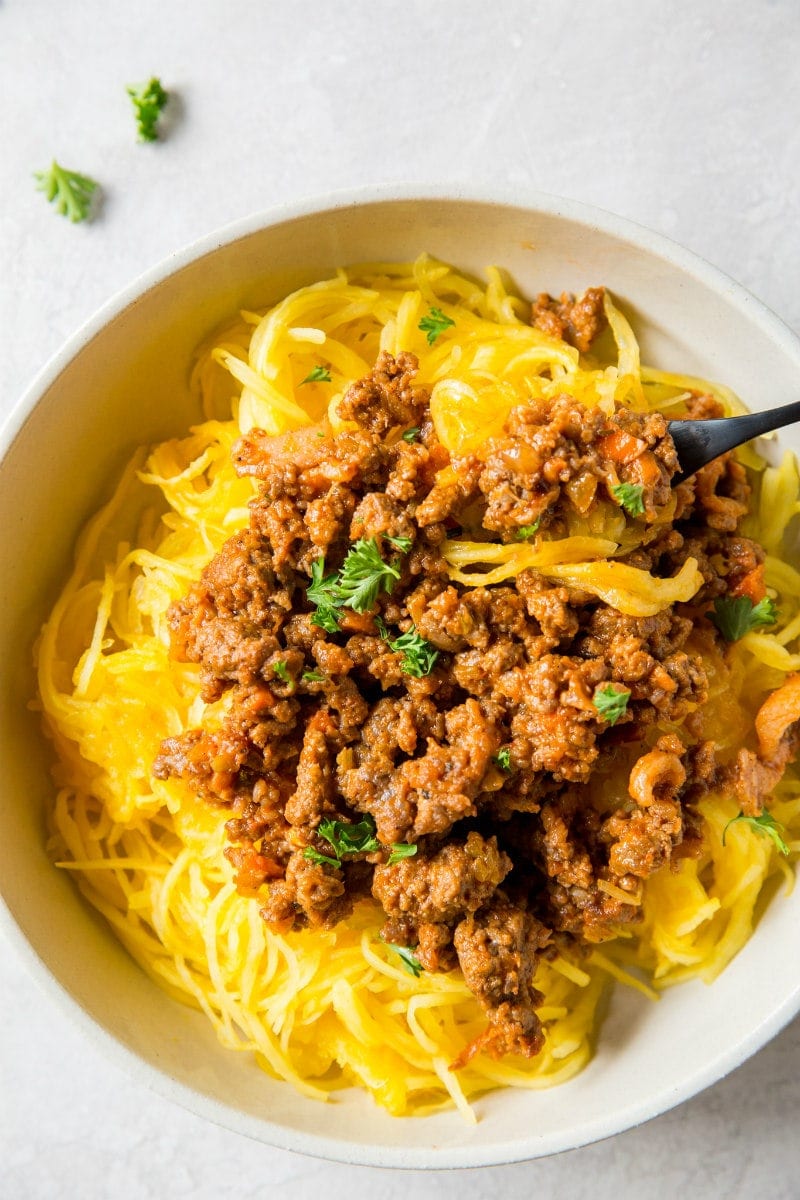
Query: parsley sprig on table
column 345, row 839
column 629, row 497
column 148, row 101
column 434, row 323
column 70, row 192
column 734, row 616
column 611, row 702
column 764, row 824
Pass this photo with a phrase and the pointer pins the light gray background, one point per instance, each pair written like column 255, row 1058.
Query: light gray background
column 683, row 116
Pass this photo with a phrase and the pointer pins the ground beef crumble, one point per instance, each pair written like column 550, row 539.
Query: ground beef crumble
column 486, row 762
column 577, row 321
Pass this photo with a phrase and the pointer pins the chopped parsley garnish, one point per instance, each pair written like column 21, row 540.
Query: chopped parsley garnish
column 765, row 824
column 70, row 192
column 419, row 656
column 409, row 960
column 401, row 850
column 148, row 100
column 434, row 323
column 345, row 839
column 411, row 435
column 322, row 593
column 629, row 496
column 734, row 616
column 322, row 588
column 350, row 839
column 282, row 671
column 325, row 618
column 312, row 677
column 611, row 702
column 503, row 758
column 403, row 544
column 527, row 531
column 356, row 586
column 317, row 374
column 319, row 859
column 363, row 575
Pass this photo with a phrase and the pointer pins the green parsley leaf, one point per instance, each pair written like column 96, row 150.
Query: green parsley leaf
column 322, row 593
column 350, row 839
column 72, row 193
column 148, row 100
column 419, row 656
column 434, row 323
column 734, row 616
column 345, row 838
column 362, row 576
column 401, row 850
column 318, row 374
column 316, row 857
column 322, row 587
column 629, row 496
column 400, row 543
column 282, row 671
column 503, row 758
column 325, row 618
column 611, row 702
column 765, row 824
column 527, row 531
column 409, row 960
column 411, row 435
column 312, row 677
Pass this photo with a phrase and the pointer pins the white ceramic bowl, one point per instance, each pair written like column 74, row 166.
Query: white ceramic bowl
column 121, row 381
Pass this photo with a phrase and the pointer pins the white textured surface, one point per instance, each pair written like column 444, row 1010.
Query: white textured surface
column 682, row 117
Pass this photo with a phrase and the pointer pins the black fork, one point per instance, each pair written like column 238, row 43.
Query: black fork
column 699, row 442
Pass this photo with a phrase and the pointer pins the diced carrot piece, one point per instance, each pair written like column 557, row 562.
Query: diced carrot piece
column 780, row 710
column 647, row 469
column 751, row 585
column 620, row 447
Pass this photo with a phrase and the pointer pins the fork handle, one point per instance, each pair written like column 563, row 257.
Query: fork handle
column 699, row 442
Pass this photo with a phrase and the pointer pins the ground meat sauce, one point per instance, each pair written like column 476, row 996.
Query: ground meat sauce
column 577, row 321
column 493, row 763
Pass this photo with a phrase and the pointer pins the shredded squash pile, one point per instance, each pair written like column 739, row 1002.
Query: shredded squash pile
column 326, row 1010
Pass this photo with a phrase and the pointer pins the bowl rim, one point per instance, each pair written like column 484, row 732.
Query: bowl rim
column 265, row 1130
